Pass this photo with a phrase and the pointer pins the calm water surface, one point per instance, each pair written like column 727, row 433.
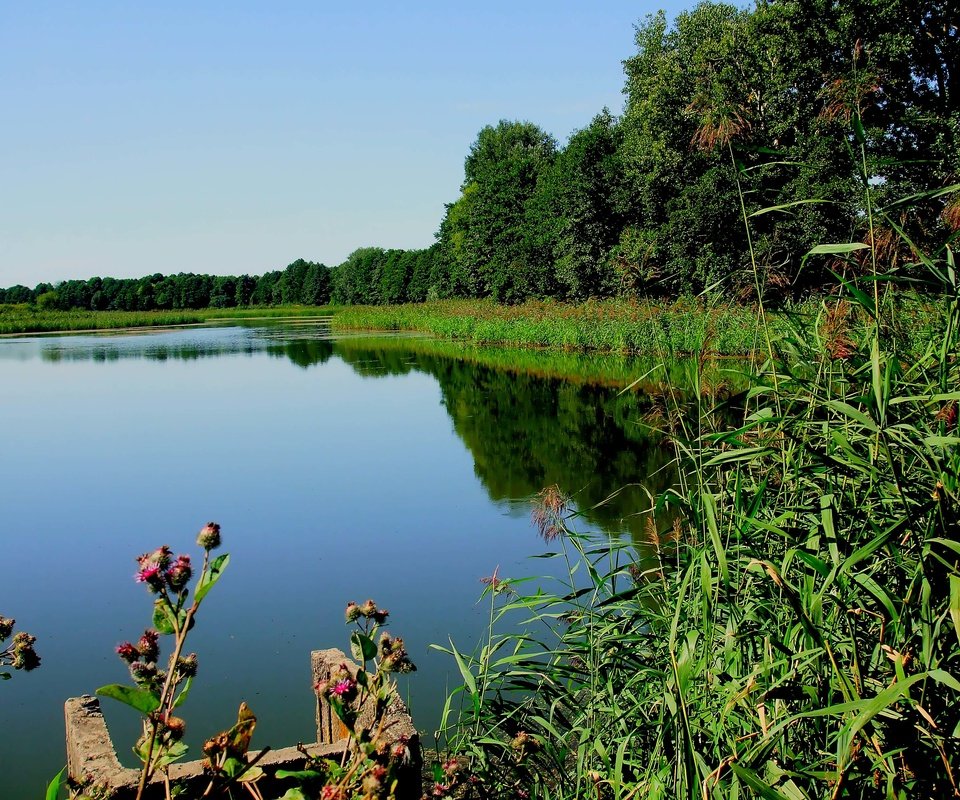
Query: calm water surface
column 339, row 468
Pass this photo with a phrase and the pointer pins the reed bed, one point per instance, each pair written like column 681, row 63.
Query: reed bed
column 685, row 327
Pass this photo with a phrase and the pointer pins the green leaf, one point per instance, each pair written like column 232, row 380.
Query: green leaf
column 181, row 698
column 786, row 206
column 174, row 752
column 836, row 249
column 210, row 576
column 142, row 700
column 300, row 774
column 858, row 130
column 955, row 603
column 233, row 767
column 465, row 673
column 251, row 775
column 852, row 413
column 710, row 511
column 294, row 793
column 362, row 647
column 163, row 619
column 754, row 781
column 53, row 788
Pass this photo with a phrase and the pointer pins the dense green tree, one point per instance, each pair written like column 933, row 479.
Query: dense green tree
column 357, row 280
column 316, row 285
column 262, row 294
column 578, row 213
column 291, row 282
column 420, row 277
column 223, row 293
column 764, row 99
column 394, row 276
column 18, row 294
column 485, row 230
column 244, row 291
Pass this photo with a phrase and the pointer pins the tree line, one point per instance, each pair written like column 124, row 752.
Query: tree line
column 791, row 105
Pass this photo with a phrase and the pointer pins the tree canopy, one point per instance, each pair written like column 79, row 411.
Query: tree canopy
column 780, row 114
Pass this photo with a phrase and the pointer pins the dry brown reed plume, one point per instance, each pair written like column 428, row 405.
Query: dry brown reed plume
column 719, row 125
column 549, row 508
column 849, row 94
column 834, row 332
column 951, row 214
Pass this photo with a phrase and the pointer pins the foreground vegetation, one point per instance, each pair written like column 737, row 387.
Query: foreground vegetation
column 792, row 629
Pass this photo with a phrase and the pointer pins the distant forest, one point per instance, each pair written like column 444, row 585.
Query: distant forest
column 794, row 106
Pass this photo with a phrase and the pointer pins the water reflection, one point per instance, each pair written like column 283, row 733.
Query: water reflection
column 529, row 418
column 308, row 447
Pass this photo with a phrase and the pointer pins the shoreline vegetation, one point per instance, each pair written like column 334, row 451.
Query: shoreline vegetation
column 684, row 327
column 24, row 319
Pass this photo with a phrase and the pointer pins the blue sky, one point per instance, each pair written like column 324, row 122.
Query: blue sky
column 232, row 137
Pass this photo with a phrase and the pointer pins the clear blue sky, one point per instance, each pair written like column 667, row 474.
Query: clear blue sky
column 232, row 137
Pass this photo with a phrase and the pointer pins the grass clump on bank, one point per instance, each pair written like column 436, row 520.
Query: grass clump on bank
column 24, row 318
column 684, row 327
column 681, row 327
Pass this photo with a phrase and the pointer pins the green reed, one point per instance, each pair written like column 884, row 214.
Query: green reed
column 796, row 632
column 685, row 326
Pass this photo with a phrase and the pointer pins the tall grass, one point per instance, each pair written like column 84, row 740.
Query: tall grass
column 683, row 327
column 797, row 632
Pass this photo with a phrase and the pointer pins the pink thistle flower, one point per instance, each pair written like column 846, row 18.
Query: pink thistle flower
column 343, row 688
column 128, row 652
column 149, row 574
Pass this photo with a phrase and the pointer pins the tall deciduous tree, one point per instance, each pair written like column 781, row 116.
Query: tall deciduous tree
column 485, row 230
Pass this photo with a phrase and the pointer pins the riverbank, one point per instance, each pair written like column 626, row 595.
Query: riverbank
column 687, row 326
column 649, row 328
column 22, row 318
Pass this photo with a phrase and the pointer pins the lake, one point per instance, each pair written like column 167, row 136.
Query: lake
column 340, row 468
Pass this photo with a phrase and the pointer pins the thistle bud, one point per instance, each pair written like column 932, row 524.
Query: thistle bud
column 187, row 666
column 6, row 628
column 373, row 780
column 178, row 575
column 143, row 674
column 175, row 727
column 23, row 655
column 352, row 613
column 148, row 646
column 209, row 536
